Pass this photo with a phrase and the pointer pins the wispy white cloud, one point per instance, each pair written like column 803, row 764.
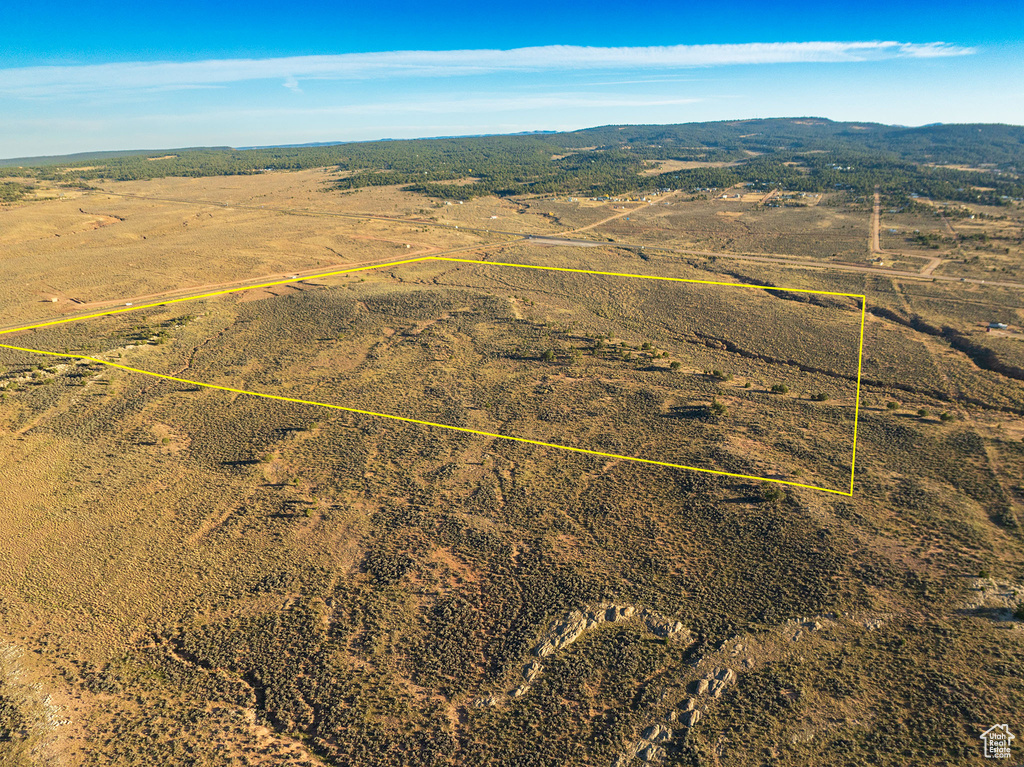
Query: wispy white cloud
column 163, row 75
column 473, row 104
column 482, row 104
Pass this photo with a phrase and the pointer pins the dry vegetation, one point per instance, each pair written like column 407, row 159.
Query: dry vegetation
column 189, row 576
column 706, row 222
column 971, row 240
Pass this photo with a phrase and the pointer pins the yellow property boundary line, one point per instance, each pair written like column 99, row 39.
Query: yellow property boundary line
column 856, row 415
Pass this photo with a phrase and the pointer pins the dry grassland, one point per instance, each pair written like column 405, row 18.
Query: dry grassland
column 667, row 166
column 191, row 576
column 744, row 226
column 53, row 249
column 988, row 246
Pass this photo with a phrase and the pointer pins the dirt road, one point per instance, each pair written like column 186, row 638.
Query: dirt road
column 811, row 264
column 563, row 239
column 618, row 215
column 930, row 267
column 876, row 224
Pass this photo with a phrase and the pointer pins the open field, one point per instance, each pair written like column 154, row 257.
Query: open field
column 51, row 249
column 309, row 191
column 638, row 340
column 668, row 166
column 743, row 225
column 193, row 576
column 971, row 241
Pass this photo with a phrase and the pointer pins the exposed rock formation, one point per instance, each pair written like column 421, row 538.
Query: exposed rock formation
column 570, row 628
column 532, row 670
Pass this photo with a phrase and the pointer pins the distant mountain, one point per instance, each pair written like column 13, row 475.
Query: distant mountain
column 967, row 163
column 424, row 138
column 292, row 146
column 1000, row 146
column 995, row 144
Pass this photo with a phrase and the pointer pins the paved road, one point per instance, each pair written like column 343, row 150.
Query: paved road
column 545, row 240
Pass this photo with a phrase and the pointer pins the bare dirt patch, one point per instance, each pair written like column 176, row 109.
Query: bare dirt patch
column 668, row 166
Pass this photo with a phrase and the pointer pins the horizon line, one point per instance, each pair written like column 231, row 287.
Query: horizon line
column 115, row 153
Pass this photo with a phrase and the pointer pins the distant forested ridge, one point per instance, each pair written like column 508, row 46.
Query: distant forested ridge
column 969, row 163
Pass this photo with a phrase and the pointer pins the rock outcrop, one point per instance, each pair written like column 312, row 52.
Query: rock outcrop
column 532, row 670
column 574, row 625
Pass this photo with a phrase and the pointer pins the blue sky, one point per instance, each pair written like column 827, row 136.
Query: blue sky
column 81, row 77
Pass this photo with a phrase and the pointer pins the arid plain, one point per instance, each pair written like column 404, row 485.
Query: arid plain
column 196, row 576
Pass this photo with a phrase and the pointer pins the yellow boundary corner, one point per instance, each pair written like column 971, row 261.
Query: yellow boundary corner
column 122, row 310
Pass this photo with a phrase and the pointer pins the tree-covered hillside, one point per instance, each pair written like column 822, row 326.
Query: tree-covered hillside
column 805, row 154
